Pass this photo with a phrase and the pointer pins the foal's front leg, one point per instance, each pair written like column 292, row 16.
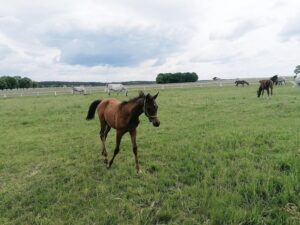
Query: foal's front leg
column 134, row 149
column 117, row 148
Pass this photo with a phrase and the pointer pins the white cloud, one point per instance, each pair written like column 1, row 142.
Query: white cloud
column 134, row 40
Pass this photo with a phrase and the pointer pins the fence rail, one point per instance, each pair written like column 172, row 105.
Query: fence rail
column 65, row 90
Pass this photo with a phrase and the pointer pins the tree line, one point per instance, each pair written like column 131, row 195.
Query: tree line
column 164, row 78
column 78, row 83
column 16, row 82
column 8, row 82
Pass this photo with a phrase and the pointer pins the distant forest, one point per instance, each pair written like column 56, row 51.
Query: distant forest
column 16, row 82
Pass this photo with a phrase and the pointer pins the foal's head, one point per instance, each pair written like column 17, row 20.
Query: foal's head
column 259, row 92
column 150, row 109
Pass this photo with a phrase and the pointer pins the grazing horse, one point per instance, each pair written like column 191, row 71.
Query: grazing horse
column 80, row 89
column 281, row 81
column 116, row 88
column 265, row 85
column 242, row 82
column 124, row 117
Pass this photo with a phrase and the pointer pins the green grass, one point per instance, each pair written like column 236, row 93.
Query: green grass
column 220, row 156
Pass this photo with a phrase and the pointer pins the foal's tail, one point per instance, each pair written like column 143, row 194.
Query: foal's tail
column 92, row 110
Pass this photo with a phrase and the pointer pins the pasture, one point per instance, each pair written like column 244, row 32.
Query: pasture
column 220, row 156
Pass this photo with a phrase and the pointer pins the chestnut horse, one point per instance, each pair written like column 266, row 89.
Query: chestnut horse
column 124, row 117
column 265, row 85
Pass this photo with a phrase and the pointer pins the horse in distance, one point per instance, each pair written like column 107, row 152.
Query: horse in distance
column 123, row 117
column 116, row 88
column 278, row 80
column 265, row 85
column 242, row 82
column 281, row 81
column 274, row 79
column 79, row 89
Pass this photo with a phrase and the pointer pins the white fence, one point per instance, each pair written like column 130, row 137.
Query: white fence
column 65, row 90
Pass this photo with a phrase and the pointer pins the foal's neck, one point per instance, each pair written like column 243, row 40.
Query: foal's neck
column 137, row 108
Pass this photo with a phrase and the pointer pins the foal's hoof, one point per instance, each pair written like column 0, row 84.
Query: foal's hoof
column 139, row 171
column 108, row 165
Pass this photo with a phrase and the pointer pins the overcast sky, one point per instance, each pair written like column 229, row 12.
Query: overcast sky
column 118, row 40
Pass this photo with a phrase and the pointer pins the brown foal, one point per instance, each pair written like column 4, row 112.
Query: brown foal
column 265, row 85
column 124, row 117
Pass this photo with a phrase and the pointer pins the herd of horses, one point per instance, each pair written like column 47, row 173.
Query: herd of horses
column 265, row 84
column 109, row 88
column 124, row 116
column 269, row 84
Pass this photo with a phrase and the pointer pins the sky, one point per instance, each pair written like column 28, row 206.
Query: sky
column 122, row 40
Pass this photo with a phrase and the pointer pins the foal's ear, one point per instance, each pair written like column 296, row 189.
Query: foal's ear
column 155, row 96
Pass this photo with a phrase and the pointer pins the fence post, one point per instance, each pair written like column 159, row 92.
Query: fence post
column 4, row 95
column 55, row 93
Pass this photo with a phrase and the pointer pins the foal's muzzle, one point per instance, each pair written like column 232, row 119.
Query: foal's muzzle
column 155, row 121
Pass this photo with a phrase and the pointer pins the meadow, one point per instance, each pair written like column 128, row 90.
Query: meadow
column 220, row 156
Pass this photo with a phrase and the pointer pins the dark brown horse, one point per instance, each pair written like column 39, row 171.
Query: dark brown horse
column 242, row 82
column 274, row 79
column 124, row 117
column 265, row 85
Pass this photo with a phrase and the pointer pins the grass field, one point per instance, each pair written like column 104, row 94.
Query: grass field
column 220, row 156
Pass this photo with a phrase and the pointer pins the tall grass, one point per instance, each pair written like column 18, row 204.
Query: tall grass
column 220, row 156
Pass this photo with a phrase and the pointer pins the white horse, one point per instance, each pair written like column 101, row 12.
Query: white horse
column 116, row 88
column 218, row 79
column 297, row 81
column 80, row 89
column 281, row 81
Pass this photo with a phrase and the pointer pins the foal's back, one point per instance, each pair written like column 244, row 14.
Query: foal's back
column 266, row 84
column 108, row 111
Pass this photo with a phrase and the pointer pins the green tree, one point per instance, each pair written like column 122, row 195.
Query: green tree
column 34, row 84
column 163, row 78
column 297, row 70
column 18, row 79
column 3, row 84
column 25, row 82
column 11, row 82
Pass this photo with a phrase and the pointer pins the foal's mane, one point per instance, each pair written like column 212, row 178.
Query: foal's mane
column 141, row 95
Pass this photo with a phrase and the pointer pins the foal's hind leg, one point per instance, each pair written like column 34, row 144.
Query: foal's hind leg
column 103, row 134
